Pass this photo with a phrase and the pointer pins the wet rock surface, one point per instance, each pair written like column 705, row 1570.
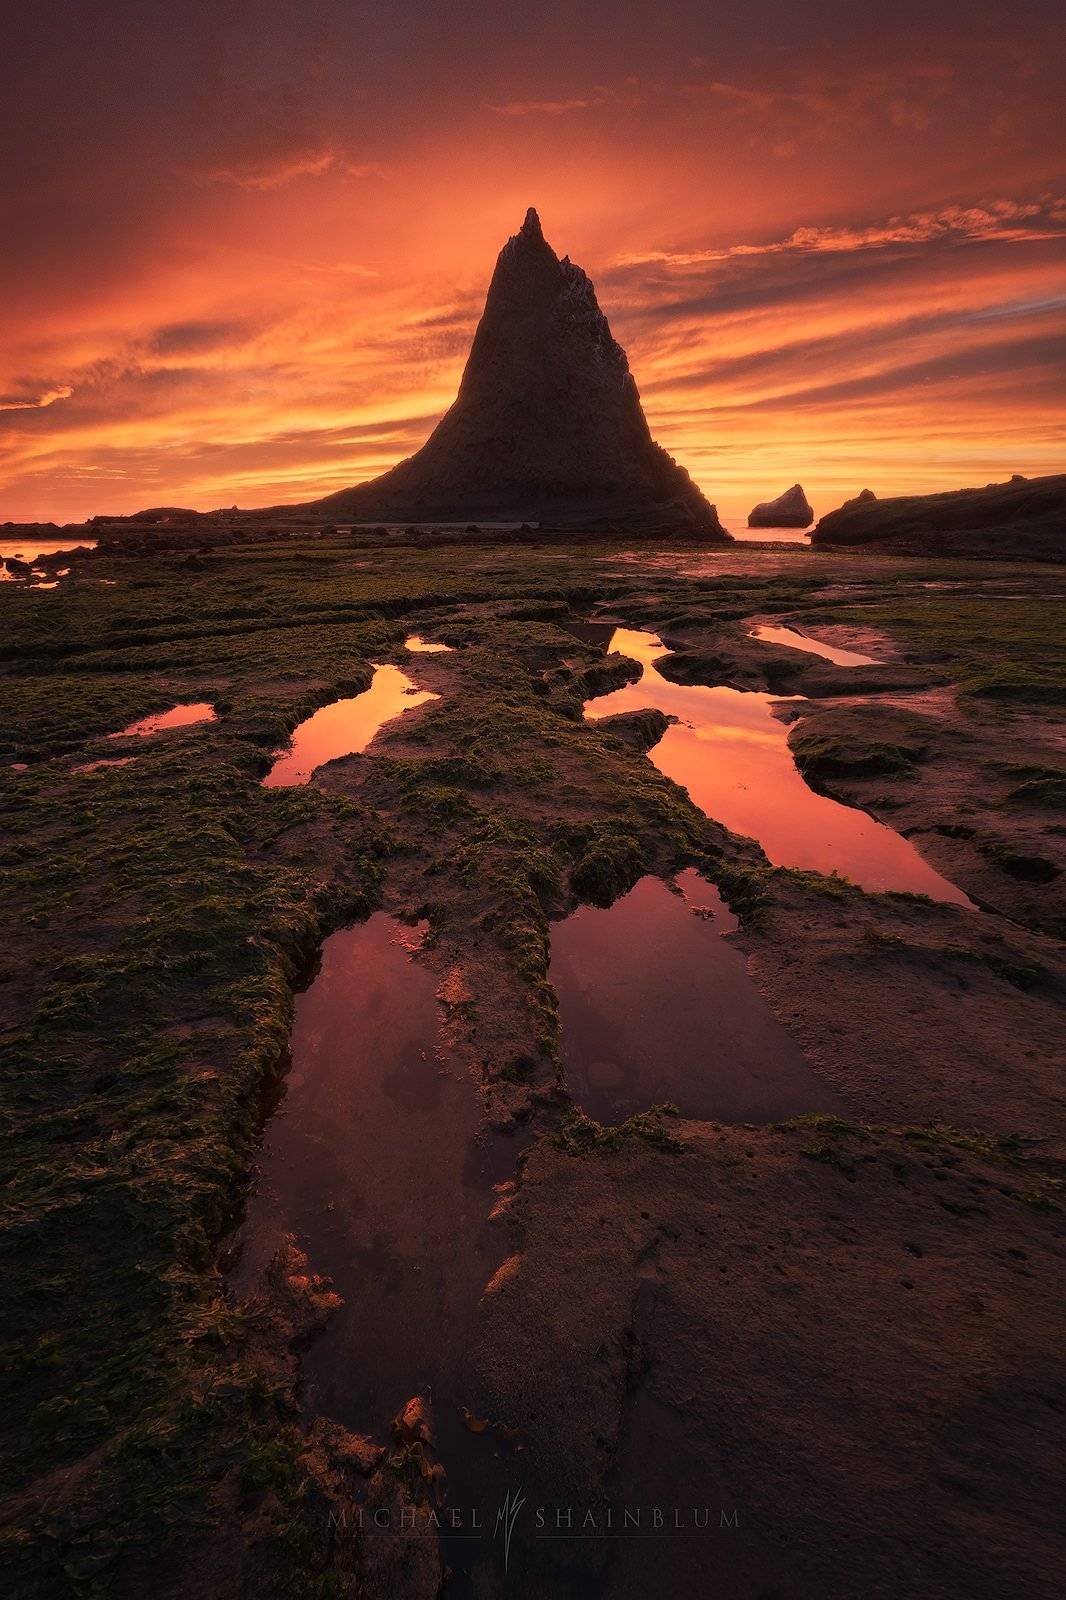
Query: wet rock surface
column 816, row 1335
column 840, row 1336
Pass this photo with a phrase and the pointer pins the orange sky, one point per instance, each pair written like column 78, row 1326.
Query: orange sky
column 244, row 254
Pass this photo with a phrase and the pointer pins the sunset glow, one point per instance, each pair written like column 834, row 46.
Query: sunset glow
column 845, row 266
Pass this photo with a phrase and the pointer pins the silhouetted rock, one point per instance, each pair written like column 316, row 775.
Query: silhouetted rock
column 790, row 510
column 863, row 498
column 155, row 514
column 1025, row 517
column 547, row 426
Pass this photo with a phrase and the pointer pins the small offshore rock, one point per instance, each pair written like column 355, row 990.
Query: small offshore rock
column 790, row 510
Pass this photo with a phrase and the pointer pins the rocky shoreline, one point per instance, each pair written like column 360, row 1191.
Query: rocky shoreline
column 804, row 1327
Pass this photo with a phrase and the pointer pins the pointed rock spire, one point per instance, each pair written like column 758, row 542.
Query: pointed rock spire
column 547, row 425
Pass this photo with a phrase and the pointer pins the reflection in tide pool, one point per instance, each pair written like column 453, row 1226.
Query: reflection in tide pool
column 770, row 633
column 656, row 1005
column 376, row 1162
column 346, row 727
column 731, row 753
column 33, row 547
column 183, row 716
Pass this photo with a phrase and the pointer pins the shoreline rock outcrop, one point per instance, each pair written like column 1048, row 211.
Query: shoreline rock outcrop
column 1024, row 517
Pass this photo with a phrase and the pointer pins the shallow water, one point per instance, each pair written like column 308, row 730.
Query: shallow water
column 731, row 753
column 182, row 716
column 346, row 727
column 420, row 646
column 656, row 1005
column 770, row 633
column 35, row 579
column 32, row 549
column 738, row 527
column 376, row 1162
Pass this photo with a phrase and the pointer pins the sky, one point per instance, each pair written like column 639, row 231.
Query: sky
column 244, row 245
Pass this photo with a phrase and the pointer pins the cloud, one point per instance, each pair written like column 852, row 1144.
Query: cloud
column 193, row 338
column 38, row 401
column 207, row 260
column 542, row 108
column 1014, row 365
column 551, row 108
column 903, row 94
column 880, row 352
column 255, row 174
column 1001, row 220
column 274, row 172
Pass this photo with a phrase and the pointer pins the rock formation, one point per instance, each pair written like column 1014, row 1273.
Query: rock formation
column 547, row 426
column 790, row 510
column 863, row 498
column 1025, row 517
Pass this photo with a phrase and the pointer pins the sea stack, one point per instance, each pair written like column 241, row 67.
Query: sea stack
column 547, row 426
column 790, row 510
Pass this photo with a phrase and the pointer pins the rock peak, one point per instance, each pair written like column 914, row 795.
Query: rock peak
column 547, row 425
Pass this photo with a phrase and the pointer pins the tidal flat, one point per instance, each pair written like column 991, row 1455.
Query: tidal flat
column 838, row 1329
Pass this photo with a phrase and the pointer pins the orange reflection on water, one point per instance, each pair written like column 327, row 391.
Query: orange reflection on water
column 346, row 727
column 770, row 633
column 656, row 1006
column 177, row 717
column 34, row 546
column 378, row 1164
column 731, row 753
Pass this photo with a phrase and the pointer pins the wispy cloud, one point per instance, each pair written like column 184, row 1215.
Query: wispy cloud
column 36, row 402
column 1001, row 220
column 237, row 249
column 197, row 338
column 553, row 108
column 903, row 95
column 273, row 173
